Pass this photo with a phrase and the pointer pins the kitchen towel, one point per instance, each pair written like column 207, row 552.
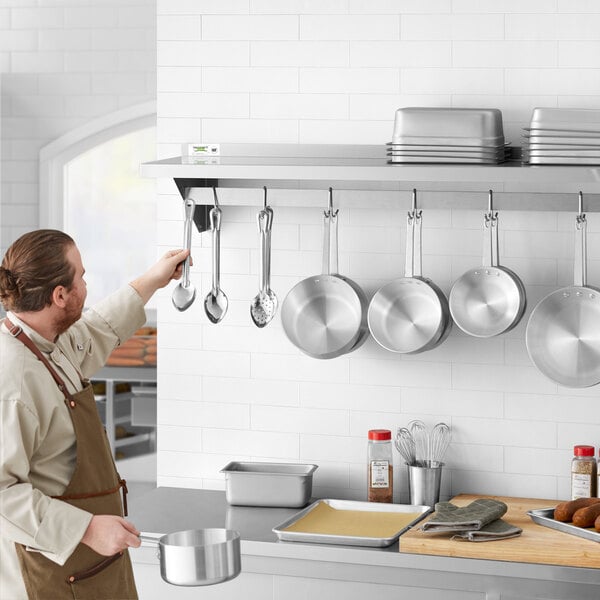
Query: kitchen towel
column 478, row 521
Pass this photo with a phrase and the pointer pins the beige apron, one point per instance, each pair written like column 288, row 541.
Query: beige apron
column 95, row 487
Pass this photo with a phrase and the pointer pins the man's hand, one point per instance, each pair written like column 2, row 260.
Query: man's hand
column 169, row 267
column 108, row 534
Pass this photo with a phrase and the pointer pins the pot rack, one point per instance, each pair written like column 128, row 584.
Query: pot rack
column 300, row 175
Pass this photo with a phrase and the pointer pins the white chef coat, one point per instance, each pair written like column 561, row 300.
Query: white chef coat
column 37, row 443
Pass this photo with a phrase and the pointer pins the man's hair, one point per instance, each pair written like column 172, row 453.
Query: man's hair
column 33, row 267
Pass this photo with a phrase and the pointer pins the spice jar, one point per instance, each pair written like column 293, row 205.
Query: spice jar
column 583, row 473
column 380, row 470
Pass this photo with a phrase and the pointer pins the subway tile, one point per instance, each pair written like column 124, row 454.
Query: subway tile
column 38, row 18
column 298, row 106
column 318, row 421
column 203, row 105
column 96, row 61
column 182, row 386
column 250, row 79
column 504, row 432
column 399, row 373
column 298, row 7
column 349, row 27
column 536, row 461
column 245, row 339
column 452, row 27
column 501, row 378
column 505, row 6
column 252, row 443
column 341, row 449
column 578, row 6
column 401, row 7
column 368, row 107
column 197, row 54
column 552, row 81
column 475, row 457
column 299, row 54
column 18, row 42
column 179, row 130
column 571, row 434
column 401, row 53
column 344, row 132
column 179, row 27
column 362, row 421
column 579, row 54
column 299, row 368
column 252, row 391
column 499, row 54
column 250, row 27
column 201, row 7
column 349, row 396
column 546, row 244
column 265, row 131
column 430, row 401
column 452, row 81
column 203, row 414
column 562, row 408
column 91, row 17
column 368, row 81
column 504, row 484
column 180, row 439
column 117, row 83
column 205, row 363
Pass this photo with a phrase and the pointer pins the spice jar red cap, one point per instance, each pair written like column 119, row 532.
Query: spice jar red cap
column 380, row 434
column 583, row 450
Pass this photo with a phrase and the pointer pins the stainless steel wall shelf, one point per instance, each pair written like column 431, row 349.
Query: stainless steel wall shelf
column 364, row 178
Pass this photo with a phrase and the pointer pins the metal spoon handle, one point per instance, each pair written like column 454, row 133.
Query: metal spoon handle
column 190, row 206
column 215, row 221
column 263, row 219
column 267, row 266
column 580, row 279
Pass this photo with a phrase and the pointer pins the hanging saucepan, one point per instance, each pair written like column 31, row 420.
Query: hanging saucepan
column 198, row 556
column 410, row 314
column 488, row 300
column 563, row 332
column 323, row 315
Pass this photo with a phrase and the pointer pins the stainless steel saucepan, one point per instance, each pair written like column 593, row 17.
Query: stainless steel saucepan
column 488, row 300
column 563, row 332
column 410, row 314
column 198, row 557
column 324, row 315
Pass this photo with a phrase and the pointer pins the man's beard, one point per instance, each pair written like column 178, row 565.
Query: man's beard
column 71, row 315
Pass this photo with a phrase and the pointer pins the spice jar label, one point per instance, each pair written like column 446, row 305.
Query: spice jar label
column 581, row 485
column 380, row 474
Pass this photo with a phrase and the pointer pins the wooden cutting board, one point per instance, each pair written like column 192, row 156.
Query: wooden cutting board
column 537, row 544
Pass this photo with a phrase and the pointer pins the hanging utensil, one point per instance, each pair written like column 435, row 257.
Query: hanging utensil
column 563, row 332
column 198, row 557
column 323, row 315
column 489, row 300
column 439, row 439
column 410, row 314
column 264, row 304
column 184, row 293
column 405, row 444
column 215, row 303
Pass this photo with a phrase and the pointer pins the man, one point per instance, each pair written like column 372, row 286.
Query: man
column 62, row 530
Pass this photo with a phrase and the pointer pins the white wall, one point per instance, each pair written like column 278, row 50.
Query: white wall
column 63, row 63
column 335, row 71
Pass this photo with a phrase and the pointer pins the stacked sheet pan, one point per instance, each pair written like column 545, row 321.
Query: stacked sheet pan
column 447, row 135
column 562, row 136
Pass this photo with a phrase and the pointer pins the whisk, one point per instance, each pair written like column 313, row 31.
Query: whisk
column 405, row 445
column 420, row 435
column 438, row 443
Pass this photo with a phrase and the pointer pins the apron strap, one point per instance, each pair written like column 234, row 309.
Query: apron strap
column 122, row 486
column 18, row 333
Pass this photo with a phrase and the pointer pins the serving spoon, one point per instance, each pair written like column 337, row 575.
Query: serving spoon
column 185, row 291
column 215, row 303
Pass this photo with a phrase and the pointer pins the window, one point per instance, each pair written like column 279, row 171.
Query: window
column 90, row 187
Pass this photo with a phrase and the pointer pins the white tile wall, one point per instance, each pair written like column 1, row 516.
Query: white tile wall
column 301, row 71
column 62, row 64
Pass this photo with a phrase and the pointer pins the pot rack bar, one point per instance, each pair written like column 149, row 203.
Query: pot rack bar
column 300, row 175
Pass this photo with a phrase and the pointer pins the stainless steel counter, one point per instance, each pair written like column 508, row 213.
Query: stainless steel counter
column 166, row 510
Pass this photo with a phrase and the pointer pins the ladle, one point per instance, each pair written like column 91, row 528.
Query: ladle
column 264, row 304
column 215, row 303
column 185, row 292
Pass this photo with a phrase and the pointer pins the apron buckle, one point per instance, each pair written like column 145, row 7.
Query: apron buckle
column 15, row 330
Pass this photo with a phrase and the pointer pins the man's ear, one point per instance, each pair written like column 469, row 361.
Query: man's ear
column 59, row 296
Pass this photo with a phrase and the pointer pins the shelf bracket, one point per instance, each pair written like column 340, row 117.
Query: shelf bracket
column 201, row 213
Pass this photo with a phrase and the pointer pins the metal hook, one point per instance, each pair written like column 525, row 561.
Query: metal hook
column 490, row 201
column 265, row 198
column 414, row 213
column 330, row 212
column 580, row 219
column 581, row 204
column 215, row 197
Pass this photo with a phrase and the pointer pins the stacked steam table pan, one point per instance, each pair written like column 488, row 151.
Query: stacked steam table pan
column 447, row 135
column 563, row 136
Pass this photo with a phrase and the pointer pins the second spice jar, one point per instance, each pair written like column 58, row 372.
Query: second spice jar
column 380, row 469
